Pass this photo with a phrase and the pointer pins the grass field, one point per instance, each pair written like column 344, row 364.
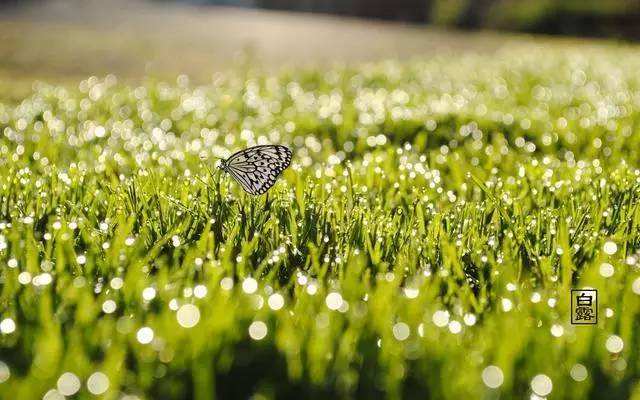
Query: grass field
column 422, row 245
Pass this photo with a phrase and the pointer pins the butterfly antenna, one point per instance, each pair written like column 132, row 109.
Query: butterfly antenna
column 215, row 177
column 211, row 173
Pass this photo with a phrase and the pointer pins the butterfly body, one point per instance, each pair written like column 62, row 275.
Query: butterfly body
column 257, row 168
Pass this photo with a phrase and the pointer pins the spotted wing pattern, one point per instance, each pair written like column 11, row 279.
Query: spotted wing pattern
column 257, row 168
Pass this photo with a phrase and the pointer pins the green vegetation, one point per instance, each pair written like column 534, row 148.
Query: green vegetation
column 594, row 18
column 422, row 245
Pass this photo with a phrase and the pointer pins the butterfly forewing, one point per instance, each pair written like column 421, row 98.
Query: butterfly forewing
column 257, row 168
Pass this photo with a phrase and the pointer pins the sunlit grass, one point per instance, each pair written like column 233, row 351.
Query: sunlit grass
column 423, row 243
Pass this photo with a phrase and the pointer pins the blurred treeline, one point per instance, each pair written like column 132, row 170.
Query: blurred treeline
column 600, row 18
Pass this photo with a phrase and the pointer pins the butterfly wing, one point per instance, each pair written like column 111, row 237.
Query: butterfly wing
column 257, row 168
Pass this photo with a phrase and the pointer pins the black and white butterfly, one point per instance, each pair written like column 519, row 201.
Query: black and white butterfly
column 257, row 168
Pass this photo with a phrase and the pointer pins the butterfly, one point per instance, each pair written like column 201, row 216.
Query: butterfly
column 256, row 168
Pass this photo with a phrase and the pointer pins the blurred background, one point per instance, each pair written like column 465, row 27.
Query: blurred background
column 68, row 40
column 618, row 18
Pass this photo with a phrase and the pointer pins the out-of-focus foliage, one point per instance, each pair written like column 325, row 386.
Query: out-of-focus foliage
column 610, row 18
column 422, row 245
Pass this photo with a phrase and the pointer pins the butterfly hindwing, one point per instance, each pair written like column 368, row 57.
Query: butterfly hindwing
column 257, row 168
